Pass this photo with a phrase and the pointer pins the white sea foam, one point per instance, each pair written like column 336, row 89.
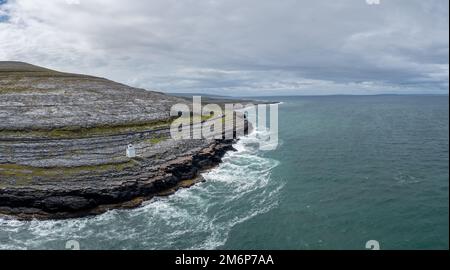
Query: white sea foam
column 200, row 217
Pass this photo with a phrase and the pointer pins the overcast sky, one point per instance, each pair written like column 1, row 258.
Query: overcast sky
column 238, row 47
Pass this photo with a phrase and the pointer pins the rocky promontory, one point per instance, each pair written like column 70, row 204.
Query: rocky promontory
column 63, row 138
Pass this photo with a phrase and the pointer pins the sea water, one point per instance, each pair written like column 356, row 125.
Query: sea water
column 347, row 169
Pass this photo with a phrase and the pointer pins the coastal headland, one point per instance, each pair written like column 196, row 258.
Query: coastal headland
column 63, row 140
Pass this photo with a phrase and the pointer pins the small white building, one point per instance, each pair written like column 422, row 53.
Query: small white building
column 131, row 151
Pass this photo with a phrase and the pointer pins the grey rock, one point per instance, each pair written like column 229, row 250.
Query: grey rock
column 63, row 139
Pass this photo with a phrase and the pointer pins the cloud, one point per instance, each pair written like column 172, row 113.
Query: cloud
column 235, row 47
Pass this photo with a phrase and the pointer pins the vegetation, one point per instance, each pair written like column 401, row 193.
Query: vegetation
column 23, row 174
column 156, row 140
column 75, row 132
column 201, row 118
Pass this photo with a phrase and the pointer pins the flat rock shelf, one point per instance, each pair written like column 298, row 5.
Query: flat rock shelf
column 63, row 139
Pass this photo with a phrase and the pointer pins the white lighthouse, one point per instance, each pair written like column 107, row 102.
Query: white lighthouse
column 131, row 151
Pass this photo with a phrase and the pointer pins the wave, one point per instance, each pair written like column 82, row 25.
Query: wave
column 200, row 217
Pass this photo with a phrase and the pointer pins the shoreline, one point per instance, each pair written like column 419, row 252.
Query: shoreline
column 186, row 172
column 76, row 200
column 53, row 166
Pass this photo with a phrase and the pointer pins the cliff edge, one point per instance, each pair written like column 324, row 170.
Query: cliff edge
column 63, row 139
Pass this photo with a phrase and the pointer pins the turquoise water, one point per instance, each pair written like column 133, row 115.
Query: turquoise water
column 347, row 170
column 355, row 169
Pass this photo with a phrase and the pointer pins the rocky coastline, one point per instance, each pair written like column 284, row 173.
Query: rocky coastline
column 133, row 189
column 63, row 138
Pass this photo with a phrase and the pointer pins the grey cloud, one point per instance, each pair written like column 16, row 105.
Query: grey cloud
column 239, row 47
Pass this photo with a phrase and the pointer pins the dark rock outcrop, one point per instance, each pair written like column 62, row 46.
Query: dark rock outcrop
column 94, row 194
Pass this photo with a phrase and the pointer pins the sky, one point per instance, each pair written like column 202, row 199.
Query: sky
column 238, row 47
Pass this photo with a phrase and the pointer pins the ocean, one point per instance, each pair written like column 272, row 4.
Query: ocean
column 348, row 169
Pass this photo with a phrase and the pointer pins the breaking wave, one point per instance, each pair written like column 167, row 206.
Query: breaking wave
column 200, row 217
